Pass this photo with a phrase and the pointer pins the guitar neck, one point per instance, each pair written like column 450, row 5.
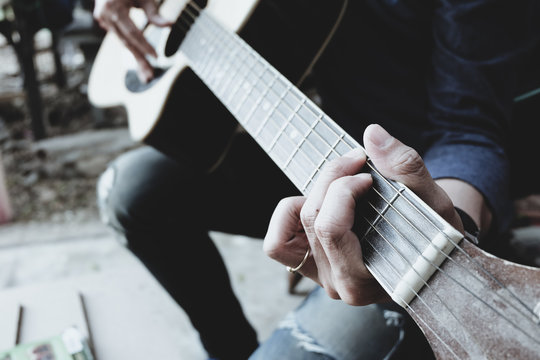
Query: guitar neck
column 291, row 129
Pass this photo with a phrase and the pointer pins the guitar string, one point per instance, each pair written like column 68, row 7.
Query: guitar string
column 511, row 304
column 535, row 316
column 383, row 197
column 445, row 254
column 445, row 273
column 389, row 289
column 386, row 285
column 396, row 271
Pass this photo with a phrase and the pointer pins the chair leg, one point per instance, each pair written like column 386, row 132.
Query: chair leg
column 60, row 76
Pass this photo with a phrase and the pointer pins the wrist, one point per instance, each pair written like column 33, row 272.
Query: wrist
column 472, row 231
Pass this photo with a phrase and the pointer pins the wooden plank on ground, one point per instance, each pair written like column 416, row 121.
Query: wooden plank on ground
column 9, row 318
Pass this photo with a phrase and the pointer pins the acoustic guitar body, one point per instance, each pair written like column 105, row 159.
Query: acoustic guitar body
column 176, row 113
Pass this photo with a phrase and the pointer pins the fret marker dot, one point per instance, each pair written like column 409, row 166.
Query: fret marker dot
column 294, row 134
column 246, row 86
column 266, row 106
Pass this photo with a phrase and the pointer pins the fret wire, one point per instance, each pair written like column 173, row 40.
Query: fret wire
column 227, row 57
column 232, row 95
column 263, row 94
column 248, row 92
column 270, row 113
column 295, row 91
column 230, row 66
column 231, row 54
column 204, row 61
column 207, row 63
column 275, row 107
column 259, row 100
column 281, row 131
column 297, row 148
column 224, row 58
column 318, row 168
column 204, row 43
column 274, row 71
column 287, row 122
column 216, row 71
column 242, row 84
column 462, row 250
column 389, row 204
column 292, row 174
column 239, row 84
column 271, row 70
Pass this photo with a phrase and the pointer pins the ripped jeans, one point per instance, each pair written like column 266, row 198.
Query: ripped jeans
column 325, row 329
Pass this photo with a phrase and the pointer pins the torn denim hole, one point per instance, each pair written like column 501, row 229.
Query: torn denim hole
column 104, row 186
column 305, row 341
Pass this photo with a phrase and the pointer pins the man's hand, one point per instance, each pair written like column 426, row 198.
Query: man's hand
column 324, row 220
column 113, row 15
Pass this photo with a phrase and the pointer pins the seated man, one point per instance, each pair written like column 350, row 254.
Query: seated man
column 430, row 75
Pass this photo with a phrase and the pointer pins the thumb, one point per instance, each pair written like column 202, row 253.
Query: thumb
column 399, row 162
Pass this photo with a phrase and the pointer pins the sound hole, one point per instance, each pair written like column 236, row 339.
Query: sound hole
column 182, row 25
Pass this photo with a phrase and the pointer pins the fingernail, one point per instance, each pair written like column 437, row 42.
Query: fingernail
column 380, row 137
column 144, row 76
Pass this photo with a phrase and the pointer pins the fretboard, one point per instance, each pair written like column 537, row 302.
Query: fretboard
column 404, row 241
column 292, row 130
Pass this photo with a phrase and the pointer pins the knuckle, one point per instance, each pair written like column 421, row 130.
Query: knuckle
column 334, row 168
column 308, row 215
column 342, row 185
column 285, row 204
column 326, row 230
column 409, row 162
column 351, row 294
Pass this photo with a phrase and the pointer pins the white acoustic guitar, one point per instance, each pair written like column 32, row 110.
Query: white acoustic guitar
column 468, row 303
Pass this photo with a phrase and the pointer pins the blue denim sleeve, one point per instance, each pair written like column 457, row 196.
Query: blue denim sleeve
column 471, row 85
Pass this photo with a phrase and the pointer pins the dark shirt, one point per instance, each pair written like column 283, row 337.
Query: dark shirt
column 441, row 76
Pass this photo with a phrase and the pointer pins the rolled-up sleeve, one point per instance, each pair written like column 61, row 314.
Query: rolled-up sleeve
column 471, row 85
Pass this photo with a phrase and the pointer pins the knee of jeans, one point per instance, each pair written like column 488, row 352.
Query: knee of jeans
column 303, row 340
column 111, row 210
